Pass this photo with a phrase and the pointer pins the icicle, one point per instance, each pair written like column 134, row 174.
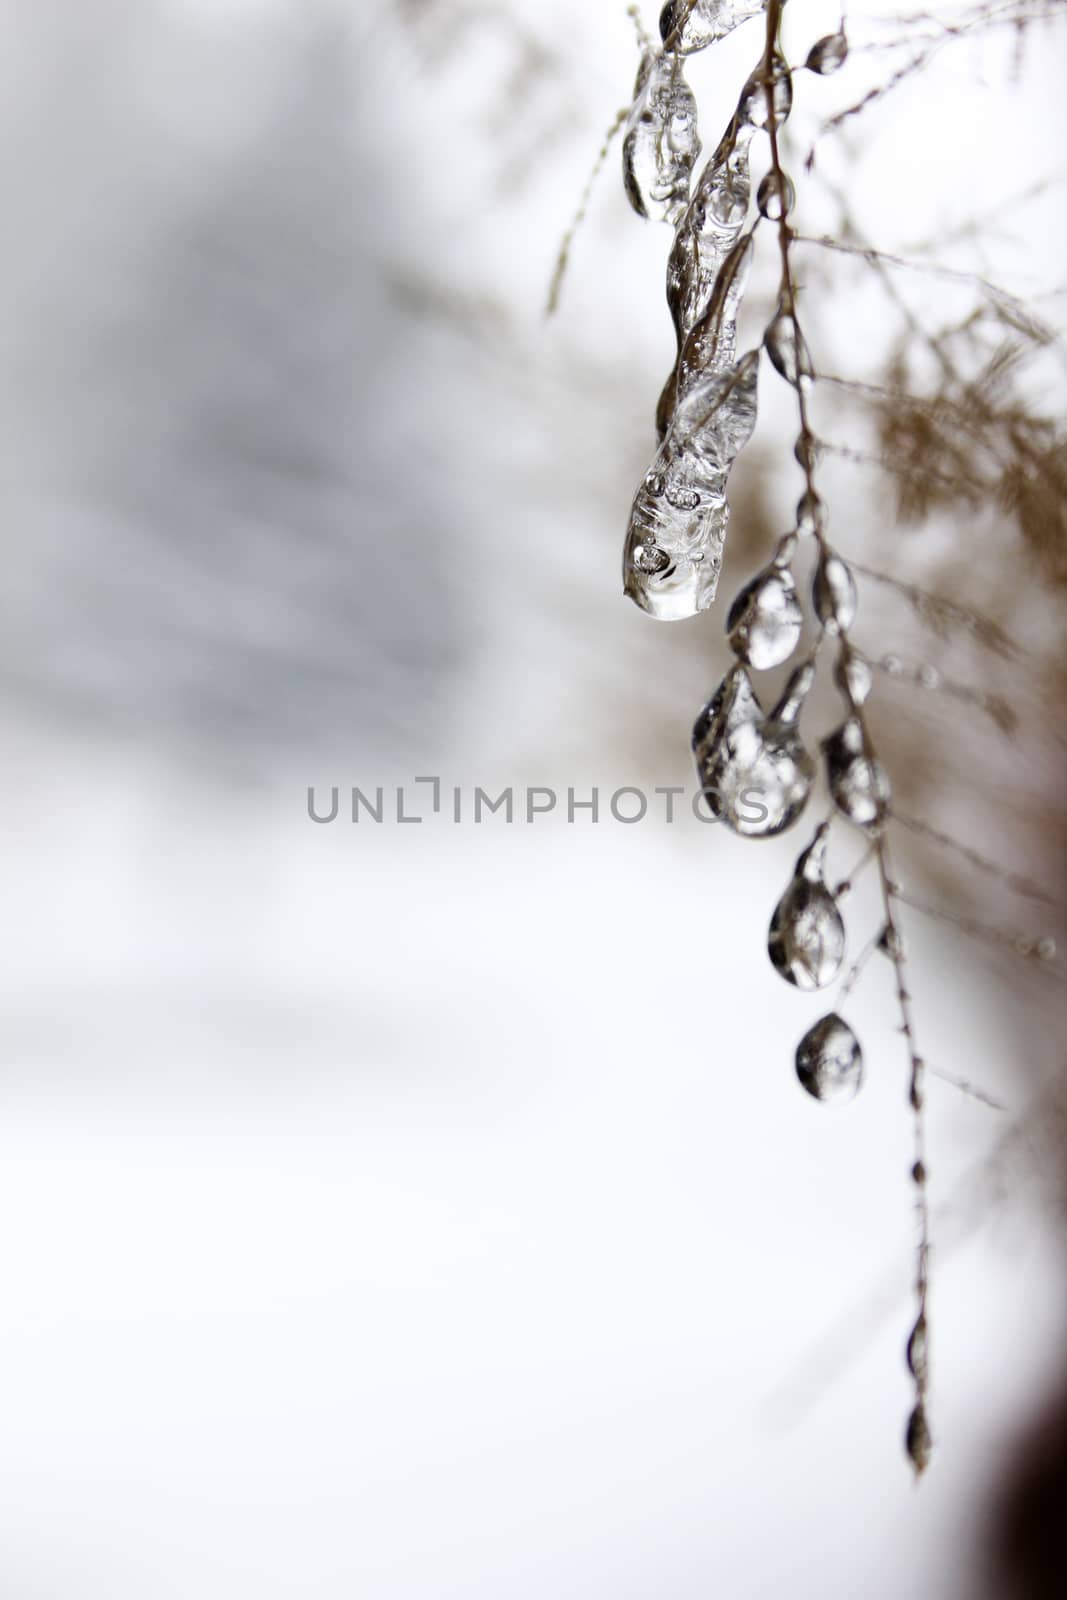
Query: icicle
column 673, row 552
column 829, row 1060
column 806, row 943
column 754, row 769
column 708, row 229
column 661, row 142
column 690, row 25
column 711, row 346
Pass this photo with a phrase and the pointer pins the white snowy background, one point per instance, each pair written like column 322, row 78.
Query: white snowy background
column 417, row 1212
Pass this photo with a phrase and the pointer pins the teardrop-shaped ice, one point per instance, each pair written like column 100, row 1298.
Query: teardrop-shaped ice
column 829, row 1060
column 807, row 935
column 673, row 552
column 852, row 676
column 689, row 25
column 775, row 196
column 764, row 622
column 917, row 1353
column 735, row 701
column 754, row 769
column 661, row 142
column 858, row 783
column 788, row 349
column 709, row 229
column 833, row 594
column 917, row 1440
column 811, row 514
column 754, row 105
column 827, row 54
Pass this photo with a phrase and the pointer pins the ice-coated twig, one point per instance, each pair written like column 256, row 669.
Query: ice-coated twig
column 868, row 800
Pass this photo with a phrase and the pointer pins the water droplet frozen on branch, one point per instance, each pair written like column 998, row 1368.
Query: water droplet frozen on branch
column 829, row 1060
column 680, row 510
column 806, row 942
column 827, row 54
column 690, row 25
column 661, row 142
column 764, row 622
column 753, row 767
column 859, row 786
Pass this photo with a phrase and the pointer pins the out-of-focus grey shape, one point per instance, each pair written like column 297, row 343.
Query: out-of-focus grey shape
column 226, row 534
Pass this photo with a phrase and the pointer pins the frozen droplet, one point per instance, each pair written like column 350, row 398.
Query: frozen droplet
column 829, row 1060
column 689, row 25
column 1046, row 949
column 833, row 594
column 806, row 451
column 764, row 622
column 811, row 518
column 661, row 142
column 929, row 677
column 858, row 783
column 852, row 676
column 827, row 54
column 775, row 197
column 806, row 942
column 753, row 768
column 788, row 349
column 734, row 701
column 755, row 104
column 917, row 1440
column 787, row 549
column 797, row 688
column 917, row 1353
column 893, row 666
column 680, row 507
column 709, row 229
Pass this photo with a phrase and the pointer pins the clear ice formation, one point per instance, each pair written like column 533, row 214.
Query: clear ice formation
column 673, row 552
column 764, row 622
column 755, row 105
column 852, row 676
column 709, row 229
column 707, row 410
column 829, row 1060
column 775, row 197
column 806, row 942
column 690, row 25
column 661, row 142
column 788, row 349
column 711, row 344
column 827, row 54
column 917, row 1351
column 858, row 783
column 754, row 770
column 833, row 594
column 917, row 1440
